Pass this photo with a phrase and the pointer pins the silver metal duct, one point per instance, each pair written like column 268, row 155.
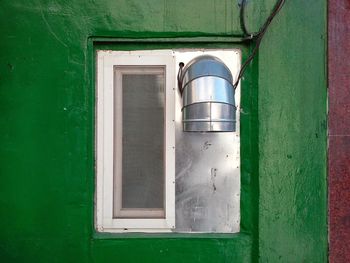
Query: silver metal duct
column 208, row 96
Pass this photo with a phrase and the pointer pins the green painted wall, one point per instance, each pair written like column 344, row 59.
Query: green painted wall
column 47, row 134
column 293, row 136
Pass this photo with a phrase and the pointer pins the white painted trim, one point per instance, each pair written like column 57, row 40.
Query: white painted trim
column 106, row 60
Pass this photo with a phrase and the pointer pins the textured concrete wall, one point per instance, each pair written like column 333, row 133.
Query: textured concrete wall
column 292, row 135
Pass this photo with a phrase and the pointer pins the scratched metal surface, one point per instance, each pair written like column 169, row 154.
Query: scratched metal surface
column 207, row 172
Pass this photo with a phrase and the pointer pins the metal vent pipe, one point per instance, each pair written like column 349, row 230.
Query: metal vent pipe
column 208, row 96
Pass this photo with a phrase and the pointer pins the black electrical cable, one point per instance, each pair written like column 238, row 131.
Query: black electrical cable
column 257, row 37
column 241, row 16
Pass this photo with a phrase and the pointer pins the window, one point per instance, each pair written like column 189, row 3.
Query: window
column 152, row 176
column 135, row 141
column 139, row 142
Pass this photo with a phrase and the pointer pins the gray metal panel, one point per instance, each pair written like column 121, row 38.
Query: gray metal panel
column 207, row 180
column 208, row 168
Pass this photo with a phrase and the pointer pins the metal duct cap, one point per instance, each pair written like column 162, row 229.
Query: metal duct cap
column 208, row 96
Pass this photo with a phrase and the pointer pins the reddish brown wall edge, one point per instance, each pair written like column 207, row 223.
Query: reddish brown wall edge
column 339, row 129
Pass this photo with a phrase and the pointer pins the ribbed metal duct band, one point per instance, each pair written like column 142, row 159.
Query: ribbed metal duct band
column 208, row 96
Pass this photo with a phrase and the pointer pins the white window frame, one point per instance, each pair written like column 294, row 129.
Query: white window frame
column 106, row 61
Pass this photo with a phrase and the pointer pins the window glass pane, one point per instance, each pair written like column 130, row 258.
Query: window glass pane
column 143, row 140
